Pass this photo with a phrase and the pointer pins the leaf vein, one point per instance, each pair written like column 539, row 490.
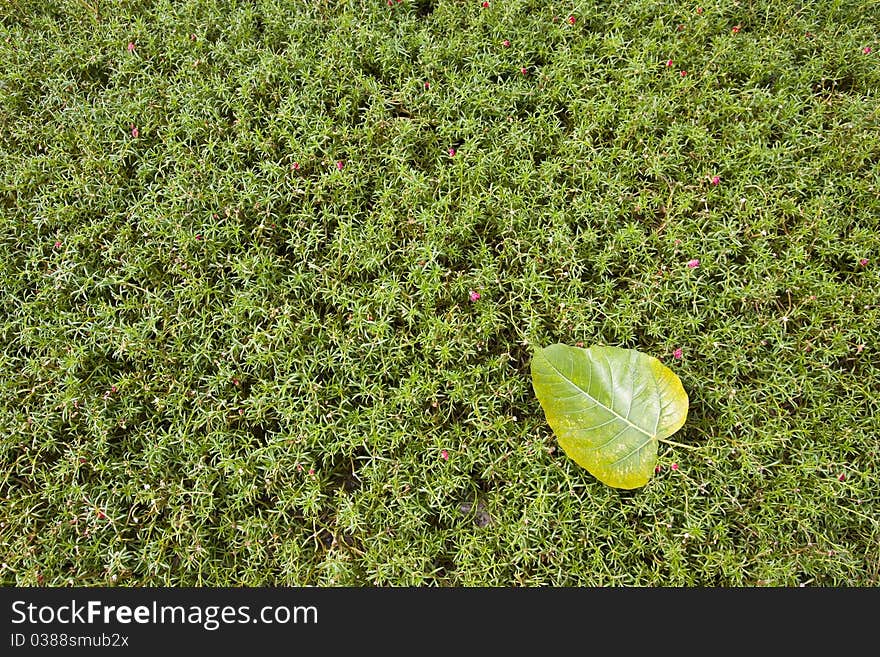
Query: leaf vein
column 609, row 441
column 635, row 451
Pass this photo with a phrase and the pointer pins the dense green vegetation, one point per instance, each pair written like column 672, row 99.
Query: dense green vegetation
column 272, row 274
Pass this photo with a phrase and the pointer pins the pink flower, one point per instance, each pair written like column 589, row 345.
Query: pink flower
column 451, row 152
column 427, row 85
column 668, row 63
column 735, row 29
column 506, row 43
column 572, row 20
column 131, row 46
column 867, row 50
column 485, row 5
column 677, row 354
column 473, row 295
column 699, row 10
column 134, row 131
column 296, row 166
column 340, row 164
column 444, row 454
column 682, row 73
column 57, row 244
column 693, row 264
column 311, row 471
column 524, row 70
column 657, row 469
column 842, row 477
column 674, row 466
column 715, row 180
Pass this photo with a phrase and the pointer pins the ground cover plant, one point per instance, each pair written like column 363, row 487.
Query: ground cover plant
column 273, row 274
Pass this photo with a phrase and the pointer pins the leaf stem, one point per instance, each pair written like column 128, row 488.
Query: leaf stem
column 672, row 442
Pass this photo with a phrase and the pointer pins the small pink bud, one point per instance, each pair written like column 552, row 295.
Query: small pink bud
column 572, row 20
column 444, row 455
column 693, row 264
column 657, row 469
column 427, row 85
column 867, row 50
column 674, row 466
column 131, row 46
column 296, row 166
column 524, row 70
column 340, row 164
column 473, row 295
column 451, row 152
column 682, row 73
column 699, row 10
column 485, row 5
column 735, row 29
column 715, row 180
column 57, row 244
column 134, row 131
column 863, row 262
column 842, row 477
column 311, row 471
column 506, row 43
column 677, row 354
column 669, row 63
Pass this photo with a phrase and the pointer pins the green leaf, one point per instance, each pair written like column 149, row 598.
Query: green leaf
column 609, row 407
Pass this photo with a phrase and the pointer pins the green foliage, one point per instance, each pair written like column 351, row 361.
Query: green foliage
column 609, row 407
column 214, row 323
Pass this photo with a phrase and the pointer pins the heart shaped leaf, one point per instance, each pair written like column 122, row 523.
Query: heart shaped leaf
column 609, row 407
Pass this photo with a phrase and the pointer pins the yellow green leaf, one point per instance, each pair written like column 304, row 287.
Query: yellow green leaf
column 609, row 407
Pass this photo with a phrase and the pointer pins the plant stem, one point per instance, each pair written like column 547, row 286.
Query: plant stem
column 85, row 4
column 672, row 442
